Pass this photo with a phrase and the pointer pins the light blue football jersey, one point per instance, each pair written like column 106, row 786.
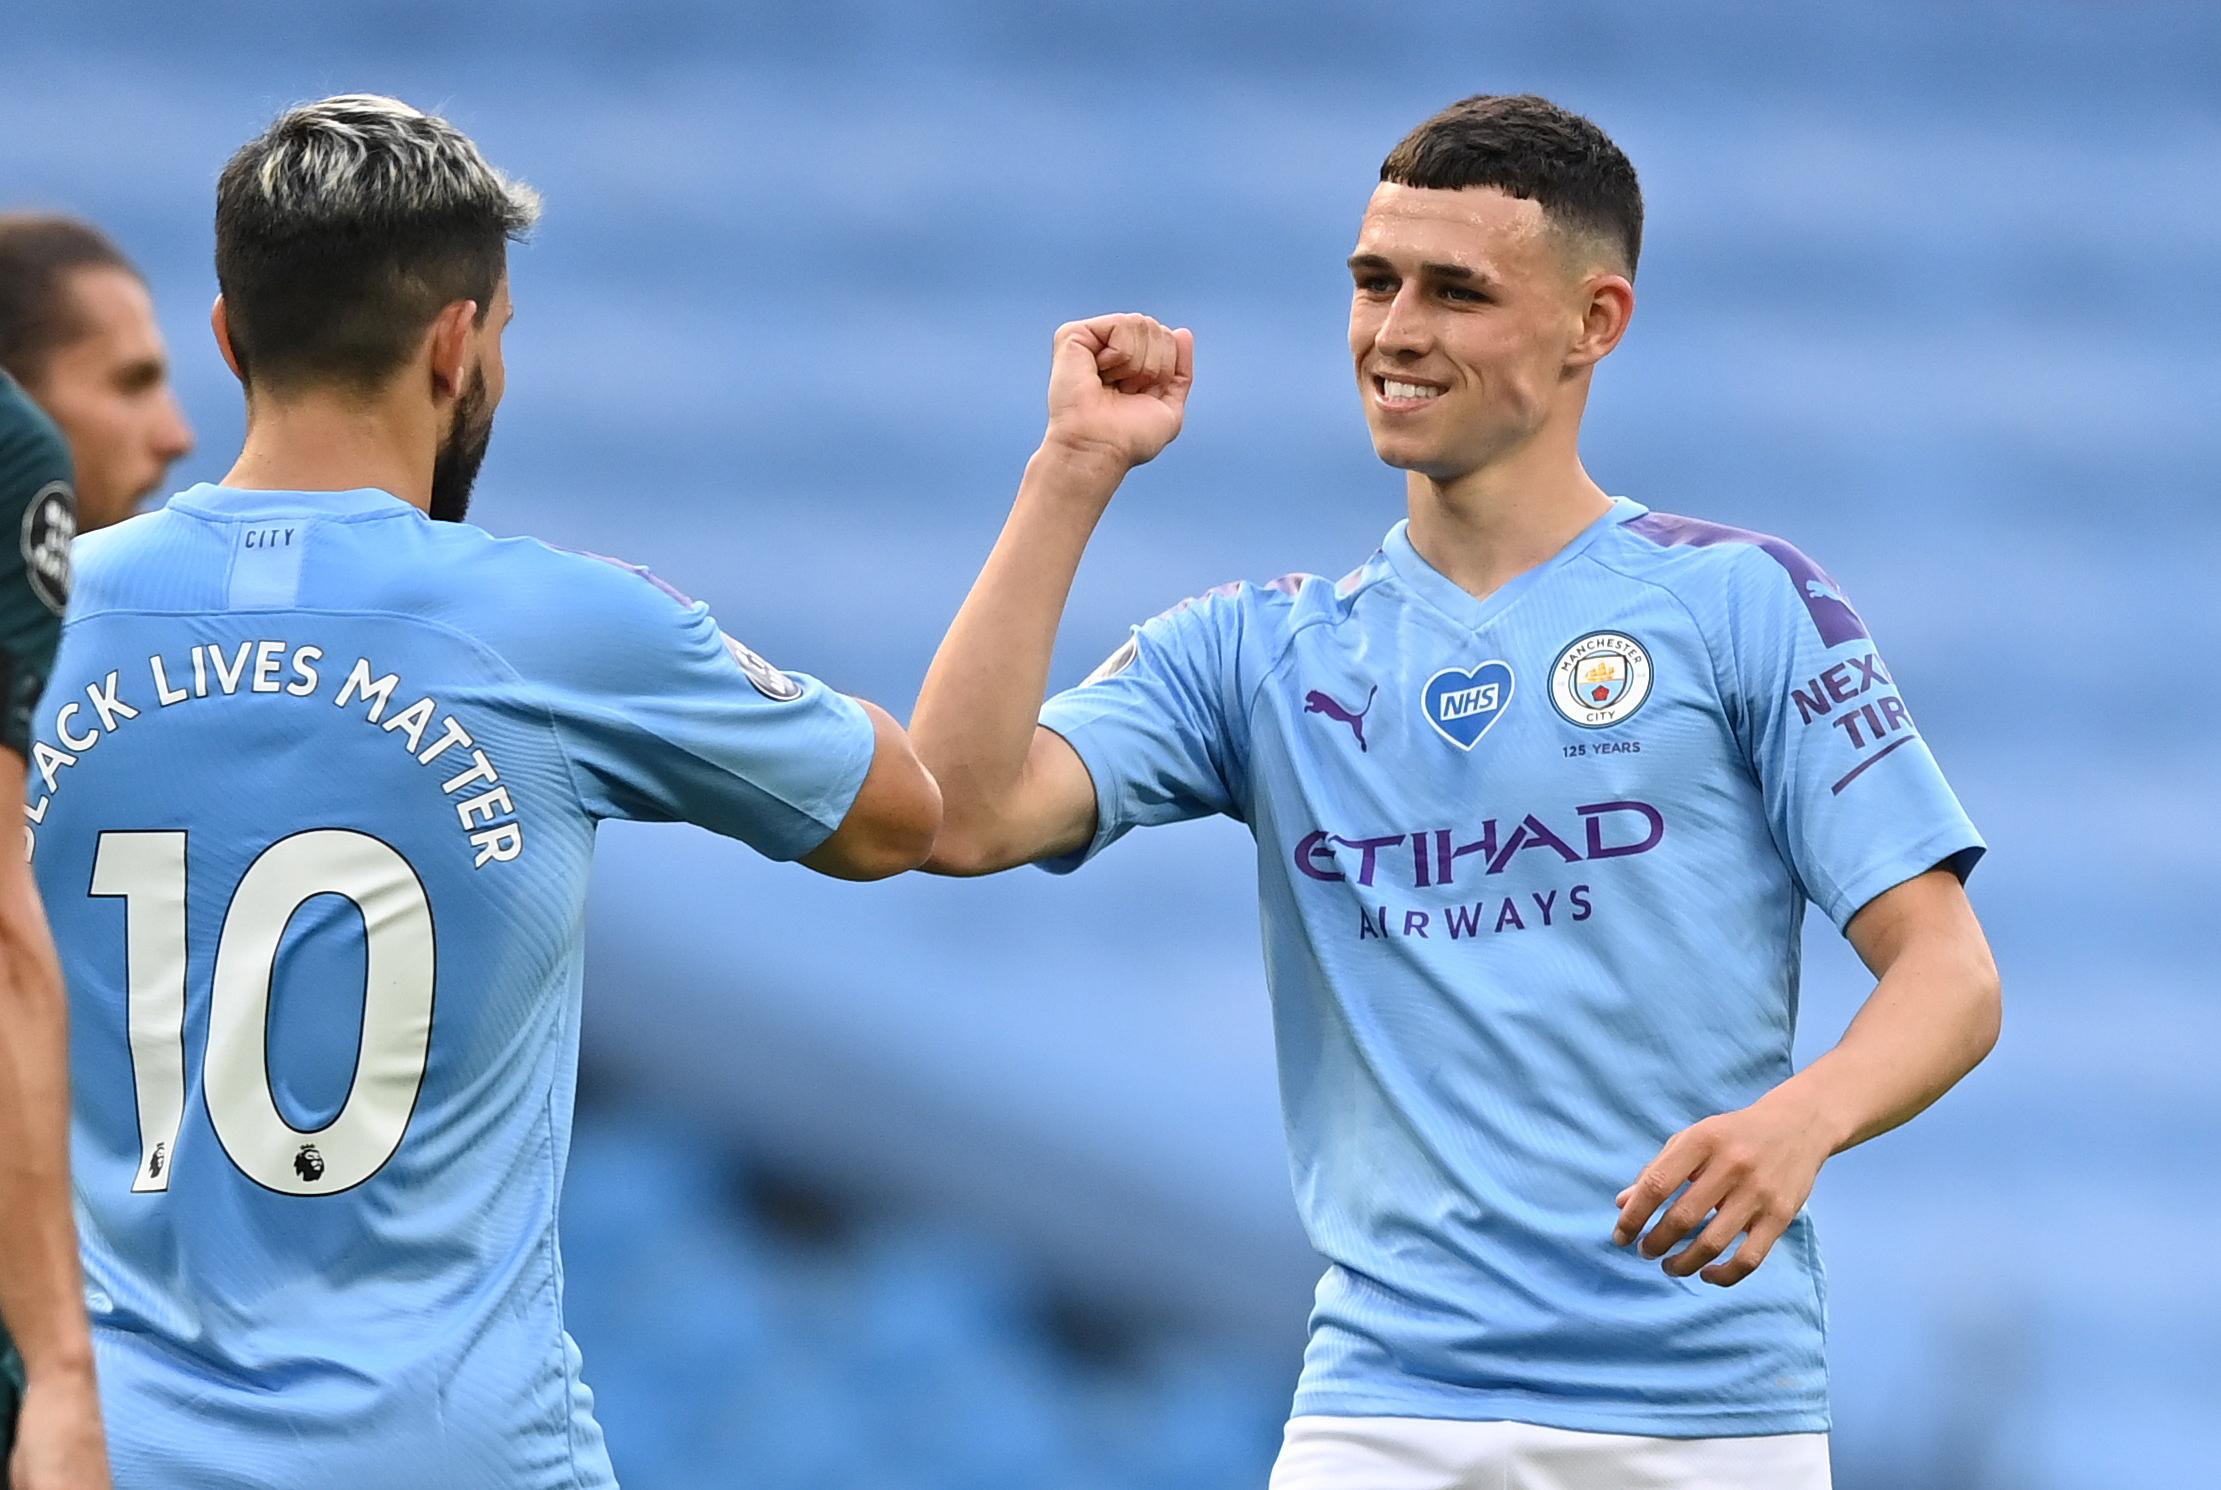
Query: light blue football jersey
column 1532, row 871
column 312, row 800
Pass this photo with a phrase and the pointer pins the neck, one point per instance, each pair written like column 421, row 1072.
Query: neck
column 1488, row 526
column 323, row 441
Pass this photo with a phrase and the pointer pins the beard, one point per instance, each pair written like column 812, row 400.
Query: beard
column 455, row 468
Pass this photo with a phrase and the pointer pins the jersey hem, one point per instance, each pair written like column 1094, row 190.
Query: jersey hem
column 1954, row 842
column 1105, row 832
column 1449, row 1405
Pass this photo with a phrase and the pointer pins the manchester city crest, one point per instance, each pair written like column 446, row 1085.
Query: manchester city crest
column 1601, row 679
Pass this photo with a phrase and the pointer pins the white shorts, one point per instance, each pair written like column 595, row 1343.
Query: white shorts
column 1429, row 1454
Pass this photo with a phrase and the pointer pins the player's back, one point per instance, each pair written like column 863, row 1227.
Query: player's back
column 314, row 797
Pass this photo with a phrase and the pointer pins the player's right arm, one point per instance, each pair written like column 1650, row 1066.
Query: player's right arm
column 58, row 1440
column 1012, row 790
column 664, row 717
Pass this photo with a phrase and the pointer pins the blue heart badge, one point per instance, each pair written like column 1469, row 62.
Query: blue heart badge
column 1461, row 703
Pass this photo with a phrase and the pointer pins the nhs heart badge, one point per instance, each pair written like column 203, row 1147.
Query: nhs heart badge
column 1461, row 703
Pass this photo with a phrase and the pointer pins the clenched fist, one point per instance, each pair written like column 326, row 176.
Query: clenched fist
column 1118, row 386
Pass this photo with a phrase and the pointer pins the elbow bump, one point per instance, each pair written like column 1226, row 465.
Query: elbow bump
column 904, row 840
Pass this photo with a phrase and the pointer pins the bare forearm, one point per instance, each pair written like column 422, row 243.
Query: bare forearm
column 975, row 718
column 41, row 1294
column 1930, row 1020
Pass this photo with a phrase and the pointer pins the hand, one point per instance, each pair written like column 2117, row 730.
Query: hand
column 1749, row 1171
column 58, row 1440
column 1118, row 387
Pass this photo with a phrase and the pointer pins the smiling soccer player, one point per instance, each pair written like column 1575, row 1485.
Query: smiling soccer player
column 1540, row 793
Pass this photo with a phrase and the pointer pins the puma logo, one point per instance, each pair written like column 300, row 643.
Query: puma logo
column 1316, row 702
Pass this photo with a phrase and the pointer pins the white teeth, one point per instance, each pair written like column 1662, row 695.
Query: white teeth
column 1394, row 389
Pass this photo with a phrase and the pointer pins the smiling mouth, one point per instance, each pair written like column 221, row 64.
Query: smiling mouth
column 1397, row 393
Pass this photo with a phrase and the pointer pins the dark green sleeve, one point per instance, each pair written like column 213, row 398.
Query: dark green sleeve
column 38, row 519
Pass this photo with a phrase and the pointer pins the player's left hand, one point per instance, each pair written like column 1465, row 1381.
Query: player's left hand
column 1749, row 1171
column 58, row 1442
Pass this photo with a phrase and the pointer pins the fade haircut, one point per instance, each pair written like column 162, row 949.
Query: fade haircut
column 344, row 229
column 1528, row 147
column 38, row 314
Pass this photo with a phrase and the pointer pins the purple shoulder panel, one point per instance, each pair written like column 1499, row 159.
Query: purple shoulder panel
column 1824, row 599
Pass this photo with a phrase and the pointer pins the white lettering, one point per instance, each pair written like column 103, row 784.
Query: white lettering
column 503, row 843
column 105, row 703
column 359, row 684
column 47, row 758
column 483, row 770
column 227, row 678
column 61, row 729
column 413, row 719
column 267, row 656
column 162, row 689
column 454, row 734
column 495, row 804
column 486, row 816
column 304, row 664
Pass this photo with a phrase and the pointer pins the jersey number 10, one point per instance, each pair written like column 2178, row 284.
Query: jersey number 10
column 147, row 870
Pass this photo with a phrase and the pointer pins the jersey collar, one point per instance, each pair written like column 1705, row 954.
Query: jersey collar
column 1460, row 605
column 234, row 504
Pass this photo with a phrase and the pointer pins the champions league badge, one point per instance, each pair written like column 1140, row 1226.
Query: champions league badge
column 1600, row 679
column 1462, row 703
column 768, row 680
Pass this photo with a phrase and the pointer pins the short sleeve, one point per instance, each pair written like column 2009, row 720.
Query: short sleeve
column 1853, row 793
column 668, row 719
column 38, row 519
column 1159, row 724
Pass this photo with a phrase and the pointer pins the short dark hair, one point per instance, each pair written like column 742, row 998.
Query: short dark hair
column 38, row 253
column 343, row 229
column 1528, row 147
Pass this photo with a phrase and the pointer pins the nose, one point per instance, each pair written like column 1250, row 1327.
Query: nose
column 1403, row 331
column 173, row 437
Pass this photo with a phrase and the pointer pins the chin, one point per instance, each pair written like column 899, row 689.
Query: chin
column 1402, row 455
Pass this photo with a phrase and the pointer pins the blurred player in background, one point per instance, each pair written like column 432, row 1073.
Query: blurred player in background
column 57, row 1443
column 316, row 790
column 77, row 330
column 1539, row 792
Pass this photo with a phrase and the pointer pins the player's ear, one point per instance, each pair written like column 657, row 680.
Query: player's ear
column 219, row 321
column 1609, row 306
column 449, row 342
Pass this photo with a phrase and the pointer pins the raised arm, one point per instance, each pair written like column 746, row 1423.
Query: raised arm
column 59, row 1445
column 1933, row 1015
column 1013, row 792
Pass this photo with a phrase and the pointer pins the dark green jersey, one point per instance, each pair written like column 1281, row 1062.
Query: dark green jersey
column 38, row 518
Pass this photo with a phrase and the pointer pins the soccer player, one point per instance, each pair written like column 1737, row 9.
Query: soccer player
column 1539, row 792
column 58, row 1444
column 315, row 791
column 77, row 331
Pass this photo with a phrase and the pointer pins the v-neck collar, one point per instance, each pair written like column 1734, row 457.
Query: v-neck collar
column 1461, row 605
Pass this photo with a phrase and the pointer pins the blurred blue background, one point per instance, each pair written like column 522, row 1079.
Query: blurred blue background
column 937, row 1186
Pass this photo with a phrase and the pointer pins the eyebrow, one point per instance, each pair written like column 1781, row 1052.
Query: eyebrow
column 1439, row 271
